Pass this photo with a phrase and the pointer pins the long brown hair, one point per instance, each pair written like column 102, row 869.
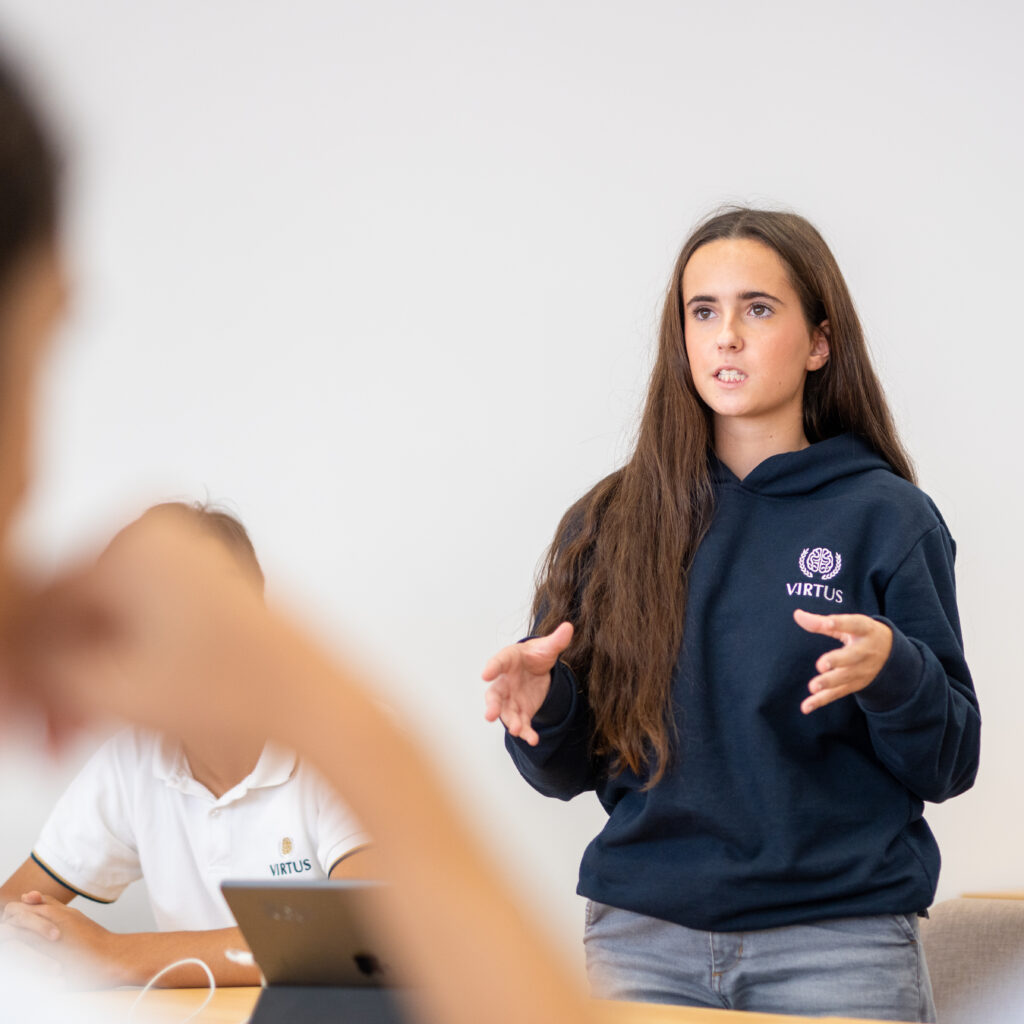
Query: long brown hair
column 619, row 564
column 29, row 173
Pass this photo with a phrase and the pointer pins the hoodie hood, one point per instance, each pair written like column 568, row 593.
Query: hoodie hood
column 790, row 474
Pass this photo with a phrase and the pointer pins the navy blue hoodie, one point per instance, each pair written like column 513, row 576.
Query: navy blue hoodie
column 767, row 816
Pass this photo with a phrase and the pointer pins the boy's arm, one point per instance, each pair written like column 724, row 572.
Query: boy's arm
column 30, row 877
column 133, row 958
column 130, row 958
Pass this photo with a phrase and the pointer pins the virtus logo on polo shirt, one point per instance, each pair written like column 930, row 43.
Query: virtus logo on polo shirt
column 820, row 562
column 289, row 867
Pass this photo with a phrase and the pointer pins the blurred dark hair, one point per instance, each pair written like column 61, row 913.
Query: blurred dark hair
column 222, row 525
column 29, row 173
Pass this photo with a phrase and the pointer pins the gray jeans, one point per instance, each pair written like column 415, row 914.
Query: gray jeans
column 869, row 967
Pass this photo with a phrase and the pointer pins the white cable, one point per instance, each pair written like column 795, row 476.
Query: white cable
column 244, row 958
column 170, row 967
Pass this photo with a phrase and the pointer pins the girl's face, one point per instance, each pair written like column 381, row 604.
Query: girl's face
column 749, row 345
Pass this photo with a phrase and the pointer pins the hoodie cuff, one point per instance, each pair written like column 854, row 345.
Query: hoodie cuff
column 899, row 677
column 561, row 699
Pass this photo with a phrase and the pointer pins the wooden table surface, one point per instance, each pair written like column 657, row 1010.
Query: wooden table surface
column 234, row 1005
column 1007, row 894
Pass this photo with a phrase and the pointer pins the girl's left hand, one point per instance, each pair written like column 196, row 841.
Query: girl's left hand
column 850, row 668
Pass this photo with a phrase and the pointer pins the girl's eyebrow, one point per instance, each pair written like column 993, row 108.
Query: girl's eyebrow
column 743, row 295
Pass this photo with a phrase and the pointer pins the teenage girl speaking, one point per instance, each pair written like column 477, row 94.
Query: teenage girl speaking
column 746, row 640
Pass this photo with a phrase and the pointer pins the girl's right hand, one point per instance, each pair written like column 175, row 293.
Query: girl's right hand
column 520, row 677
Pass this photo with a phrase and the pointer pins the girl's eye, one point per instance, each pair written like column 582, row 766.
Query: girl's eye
column 760, row 309
column 700, row 311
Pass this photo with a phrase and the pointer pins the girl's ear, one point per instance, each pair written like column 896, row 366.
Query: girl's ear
column 819, row 346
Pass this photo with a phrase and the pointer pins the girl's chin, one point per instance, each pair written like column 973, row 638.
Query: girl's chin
column 746, row 405
column 734, row 407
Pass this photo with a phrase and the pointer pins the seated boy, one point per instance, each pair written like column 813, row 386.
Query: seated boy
column 184, row 813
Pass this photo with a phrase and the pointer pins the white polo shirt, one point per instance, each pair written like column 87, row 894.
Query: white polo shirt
column 135, row 811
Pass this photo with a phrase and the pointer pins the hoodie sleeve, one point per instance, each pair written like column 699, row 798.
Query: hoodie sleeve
column 921, row 709
column 560, row 765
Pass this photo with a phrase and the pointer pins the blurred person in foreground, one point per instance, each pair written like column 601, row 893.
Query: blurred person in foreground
column 162, row 625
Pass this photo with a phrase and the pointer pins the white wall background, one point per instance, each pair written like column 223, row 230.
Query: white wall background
column 386, row 276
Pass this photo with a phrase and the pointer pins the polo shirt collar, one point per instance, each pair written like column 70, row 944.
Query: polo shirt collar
column 276, row 765
column 169, row 763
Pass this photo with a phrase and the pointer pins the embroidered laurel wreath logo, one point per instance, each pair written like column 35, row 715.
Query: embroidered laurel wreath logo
column 821, row 562
column 286, row 846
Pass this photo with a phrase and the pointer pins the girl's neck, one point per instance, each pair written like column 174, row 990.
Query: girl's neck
column 743, row 445
column 223, row 768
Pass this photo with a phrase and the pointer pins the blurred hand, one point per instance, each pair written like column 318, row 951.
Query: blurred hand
column 67, row 936
column 520, row 677
column 157, row 631
column 23, row 955
column 21, row 916
column 24, row 704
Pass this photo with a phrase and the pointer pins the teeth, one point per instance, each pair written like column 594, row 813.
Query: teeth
column 731, row 375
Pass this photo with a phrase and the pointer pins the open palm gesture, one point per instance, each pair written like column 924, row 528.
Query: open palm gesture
column 866, row 644
column 520, row 677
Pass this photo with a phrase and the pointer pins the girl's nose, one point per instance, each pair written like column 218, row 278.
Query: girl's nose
column 728, row 338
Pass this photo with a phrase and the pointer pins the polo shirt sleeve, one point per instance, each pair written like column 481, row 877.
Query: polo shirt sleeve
column 88, row 843
column 338, row 831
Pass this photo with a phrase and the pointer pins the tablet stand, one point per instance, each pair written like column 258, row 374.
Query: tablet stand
column 327, row 1004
